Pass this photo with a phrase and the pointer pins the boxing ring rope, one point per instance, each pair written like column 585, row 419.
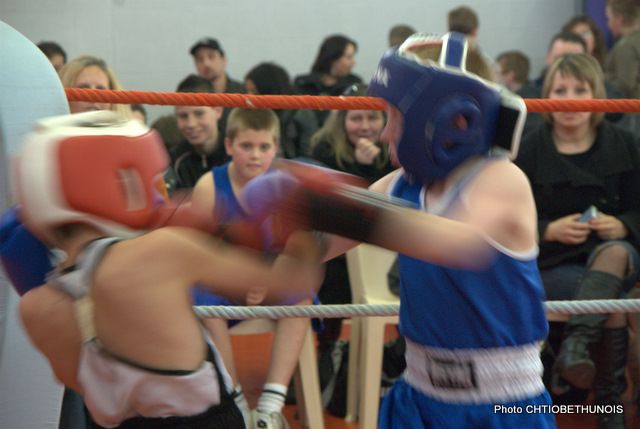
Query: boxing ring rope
column 360, row 310
column 246, row 101
column 250, row 101
column 314, row 102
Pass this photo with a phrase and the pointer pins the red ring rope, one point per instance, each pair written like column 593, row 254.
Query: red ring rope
column 319, row 102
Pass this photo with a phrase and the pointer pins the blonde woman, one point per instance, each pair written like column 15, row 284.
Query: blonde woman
column 350, row 141
column 93, row 73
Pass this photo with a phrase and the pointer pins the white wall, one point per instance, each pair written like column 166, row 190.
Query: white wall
column 289, row 30
column 147, row 41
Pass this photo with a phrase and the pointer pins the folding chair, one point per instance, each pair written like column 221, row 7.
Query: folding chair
column 306, row 381
column 368, row 267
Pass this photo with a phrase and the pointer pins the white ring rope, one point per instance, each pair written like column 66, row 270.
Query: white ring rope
column 358, row 310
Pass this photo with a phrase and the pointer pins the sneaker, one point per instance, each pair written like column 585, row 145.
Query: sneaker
column 274, row 420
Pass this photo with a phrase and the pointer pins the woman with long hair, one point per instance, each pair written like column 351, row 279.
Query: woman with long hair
column 587, row 28
column 331, row 70
column 349, row 141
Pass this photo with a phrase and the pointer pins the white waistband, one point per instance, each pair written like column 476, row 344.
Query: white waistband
column 478, row 376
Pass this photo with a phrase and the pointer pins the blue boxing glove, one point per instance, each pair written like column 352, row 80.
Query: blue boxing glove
column 267, row 199
column 269, row 193
column 25, row 259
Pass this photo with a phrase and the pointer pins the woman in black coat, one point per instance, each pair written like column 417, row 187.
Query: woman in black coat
column 585, row 175
column 331, row 71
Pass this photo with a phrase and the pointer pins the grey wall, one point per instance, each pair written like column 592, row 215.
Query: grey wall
column 147, row 41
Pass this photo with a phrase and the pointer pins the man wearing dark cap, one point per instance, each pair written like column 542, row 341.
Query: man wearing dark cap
column 211, row 64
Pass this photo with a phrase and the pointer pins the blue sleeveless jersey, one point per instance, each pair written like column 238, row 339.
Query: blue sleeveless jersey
column 227, row 208
column 454, row 308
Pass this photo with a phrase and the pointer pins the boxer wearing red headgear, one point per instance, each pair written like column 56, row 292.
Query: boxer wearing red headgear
column 115, row 319
column 471, row 298
column 91, row 168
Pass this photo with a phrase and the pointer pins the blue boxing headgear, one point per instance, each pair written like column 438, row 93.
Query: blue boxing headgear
column 436, row 98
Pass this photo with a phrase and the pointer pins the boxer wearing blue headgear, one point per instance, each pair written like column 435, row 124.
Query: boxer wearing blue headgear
column 449, row 113
column 471, row 298
column 443, row 124
column 464, row 223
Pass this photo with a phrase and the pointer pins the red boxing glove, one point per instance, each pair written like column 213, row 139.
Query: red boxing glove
column 181, row 214
column 311, row 198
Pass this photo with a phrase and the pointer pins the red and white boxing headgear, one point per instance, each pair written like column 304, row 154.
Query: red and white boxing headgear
column 96, row 168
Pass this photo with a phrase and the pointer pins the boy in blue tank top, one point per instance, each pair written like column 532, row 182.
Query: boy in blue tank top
column 463, row 220
column 252, row 142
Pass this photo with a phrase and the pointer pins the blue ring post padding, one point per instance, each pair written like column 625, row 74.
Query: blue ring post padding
column 25, row 259
column 30, row 90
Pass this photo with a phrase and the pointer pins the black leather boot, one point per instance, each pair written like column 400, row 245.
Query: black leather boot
column 574, row 363
column 610, row 382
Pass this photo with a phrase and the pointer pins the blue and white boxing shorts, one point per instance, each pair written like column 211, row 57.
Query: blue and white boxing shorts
column 473, row 388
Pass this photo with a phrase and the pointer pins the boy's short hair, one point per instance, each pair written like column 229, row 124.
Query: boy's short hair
column 516, row 62
column 629, row 10
column 195, row 83
column 567, row 37
column 399, row 33
column 52, row 48
column 463, row 20
column 249, row 119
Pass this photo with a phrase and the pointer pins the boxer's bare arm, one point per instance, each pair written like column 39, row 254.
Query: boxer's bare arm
column 229, row 270
column 47, row 316
column 204, row 194
column 501, row 204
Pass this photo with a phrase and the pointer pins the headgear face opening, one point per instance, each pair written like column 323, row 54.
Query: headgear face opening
column 94, row 168
column 449, row 114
